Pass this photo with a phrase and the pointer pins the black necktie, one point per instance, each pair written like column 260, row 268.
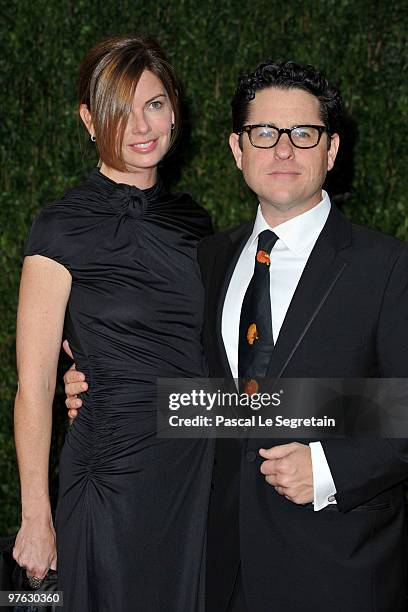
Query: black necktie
column 255, row 326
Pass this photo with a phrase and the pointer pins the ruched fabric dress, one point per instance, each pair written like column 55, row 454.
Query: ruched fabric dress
column 132, row 509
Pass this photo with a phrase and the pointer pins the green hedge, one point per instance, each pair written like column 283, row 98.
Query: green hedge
column 360, row 44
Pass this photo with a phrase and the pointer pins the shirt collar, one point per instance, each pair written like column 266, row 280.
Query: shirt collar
column 298, row 234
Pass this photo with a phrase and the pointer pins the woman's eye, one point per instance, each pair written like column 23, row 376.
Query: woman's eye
column 156, row 104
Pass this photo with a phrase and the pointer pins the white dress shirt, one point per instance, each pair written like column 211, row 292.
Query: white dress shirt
column 296, row 239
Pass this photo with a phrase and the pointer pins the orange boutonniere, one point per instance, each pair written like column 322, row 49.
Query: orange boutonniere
column 252, row 334
column 263, row 257
column 251, row 387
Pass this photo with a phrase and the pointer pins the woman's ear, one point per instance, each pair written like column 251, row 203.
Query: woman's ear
column 87, row 119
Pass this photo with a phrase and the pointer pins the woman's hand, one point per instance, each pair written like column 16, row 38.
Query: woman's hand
column 35, row 547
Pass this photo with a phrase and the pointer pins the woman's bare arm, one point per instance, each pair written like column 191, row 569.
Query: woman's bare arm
column 44, row 292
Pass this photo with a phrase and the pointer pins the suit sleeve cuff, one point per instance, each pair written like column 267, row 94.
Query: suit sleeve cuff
column 324, row 488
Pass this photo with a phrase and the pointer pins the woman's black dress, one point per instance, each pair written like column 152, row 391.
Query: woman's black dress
column 132, row 507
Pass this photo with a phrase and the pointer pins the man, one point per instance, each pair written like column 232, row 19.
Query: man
column 314, row 525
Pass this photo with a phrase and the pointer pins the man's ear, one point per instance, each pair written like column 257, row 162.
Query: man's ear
column 332, row 152
column 86, row 118
column 236, row 149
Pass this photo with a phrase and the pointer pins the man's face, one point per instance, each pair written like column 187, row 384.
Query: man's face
column 286, row 179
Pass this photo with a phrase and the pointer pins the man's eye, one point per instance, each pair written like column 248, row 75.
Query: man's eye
column 266, row 133
column 301, row 134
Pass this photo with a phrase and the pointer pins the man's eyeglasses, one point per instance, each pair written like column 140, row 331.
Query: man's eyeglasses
column 266, row 136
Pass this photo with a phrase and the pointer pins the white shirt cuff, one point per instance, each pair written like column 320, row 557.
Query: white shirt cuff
column 324, row 488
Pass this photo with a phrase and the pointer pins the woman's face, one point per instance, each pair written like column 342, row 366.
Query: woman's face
column 146, row 139
column 147, row 134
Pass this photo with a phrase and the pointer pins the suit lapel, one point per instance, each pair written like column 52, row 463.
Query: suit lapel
column 323, row 268
column 225, row 262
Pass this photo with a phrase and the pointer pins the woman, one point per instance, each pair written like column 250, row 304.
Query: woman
column 115, row 259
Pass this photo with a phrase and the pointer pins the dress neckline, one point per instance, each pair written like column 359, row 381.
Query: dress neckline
column 127, row 199
column 102, row 179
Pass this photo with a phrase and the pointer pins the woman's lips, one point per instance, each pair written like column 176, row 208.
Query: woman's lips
column 144, row 147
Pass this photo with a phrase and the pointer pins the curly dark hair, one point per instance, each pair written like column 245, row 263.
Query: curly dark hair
column 287, row 75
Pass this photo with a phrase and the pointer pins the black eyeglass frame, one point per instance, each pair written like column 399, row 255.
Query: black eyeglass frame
column 247, row 128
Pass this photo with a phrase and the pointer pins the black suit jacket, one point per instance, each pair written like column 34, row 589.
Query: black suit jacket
column 348, row 318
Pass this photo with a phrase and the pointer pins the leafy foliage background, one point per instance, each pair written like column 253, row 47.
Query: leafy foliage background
column 360, row 44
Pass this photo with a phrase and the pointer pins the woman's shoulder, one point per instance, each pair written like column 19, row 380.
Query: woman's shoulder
column 60, row 229
column 54, row 213
column 72, row 208
column 188, row 213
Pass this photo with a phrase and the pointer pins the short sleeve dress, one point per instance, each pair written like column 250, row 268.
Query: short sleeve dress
column 132, row 507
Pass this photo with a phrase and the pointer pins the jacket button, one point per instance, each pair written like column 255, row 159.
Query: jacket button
column 251, row 456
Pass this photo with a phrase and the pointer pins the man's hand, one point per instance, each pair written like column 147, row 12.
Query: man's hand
column 74, row 384
column 288, row 468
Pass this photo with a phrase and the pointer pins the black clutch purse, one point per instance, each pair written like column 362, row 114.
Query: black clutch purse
column 14, row 578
